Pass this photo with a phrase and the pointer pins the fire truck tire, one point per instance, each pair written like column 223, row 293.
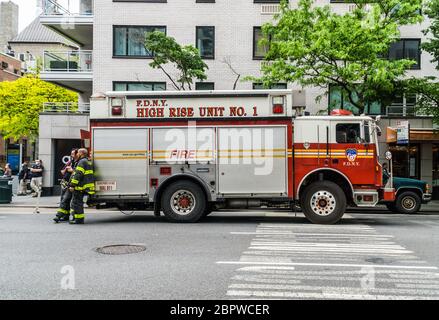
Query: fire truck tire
column 323, row 202
column 183, row 201
column 408, row 202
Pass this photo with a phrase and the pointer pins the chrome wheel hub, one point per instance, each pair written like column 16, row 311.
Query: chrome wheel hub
column 323, row 203
column 183, row 202
column 408, row 203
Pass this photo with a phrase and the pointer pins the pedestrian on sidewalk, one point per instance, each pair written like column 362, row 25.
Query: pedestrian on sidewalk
column 23, row 176
column 81, row 184
column 63, row 213
column 37, row 177
column 8, row 171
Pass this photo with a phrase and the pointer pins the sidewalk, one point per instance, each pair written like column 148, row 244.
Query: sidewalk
column 29, row 202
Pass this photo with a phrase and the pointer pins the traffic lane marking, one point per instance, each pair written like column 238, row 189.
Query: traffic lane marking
column 347, row 265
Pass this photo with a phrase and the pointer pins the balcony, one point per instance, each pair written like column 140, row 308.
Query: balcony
column 71, row 18
column 71, row 69
column 66, row 107
column 401, row 110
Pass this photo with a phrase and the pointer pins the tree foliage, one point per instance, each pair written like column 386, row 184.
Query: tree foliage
column 22, row 100
column 314, row 46
column 186, row 59
column 432, row 45
column 427, row 91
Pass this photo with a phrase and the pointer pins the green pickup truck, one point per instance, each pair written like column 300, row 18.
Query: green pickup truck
column 410, row 194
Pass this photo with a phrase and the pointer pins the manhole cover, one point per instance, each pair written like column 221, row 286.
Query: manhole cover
column 121, row 249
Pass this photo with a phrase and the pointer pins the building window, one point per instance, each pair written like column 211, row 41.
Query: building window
column 139, row 86
column 206, row 42
column 338, row 99
column 130, row 41
column 259, row 50
column 204, row 1
column 260, row 86
column 205, row 86
column 5, row 65
column 402, row 105
column 406, row 49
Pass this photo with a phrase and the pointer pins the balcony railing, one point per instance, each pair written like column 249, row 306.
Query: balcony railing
column 68, row 61
column 67, row 7
column 401, row 110
column 66, row 107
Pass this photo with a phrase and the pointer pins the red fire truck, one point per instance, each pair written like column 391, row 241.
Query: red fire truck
column 188, row 153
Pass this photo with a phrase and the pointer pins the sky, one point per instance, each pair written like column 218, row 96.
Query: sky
column 27, row 12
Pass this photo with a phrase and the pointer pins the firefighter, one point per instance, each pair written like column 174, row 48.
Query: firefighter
column 81, row 183
column 63, row 212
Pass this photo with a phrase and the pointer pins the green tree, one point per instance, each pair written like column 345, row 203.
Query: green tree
column 427, row 89
column 22, row 100
column 432, row 45
column 313, row 46
column 186, row 59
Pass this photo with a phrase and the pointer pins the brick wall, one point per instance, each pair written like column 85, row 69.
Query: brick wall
column 10, row 68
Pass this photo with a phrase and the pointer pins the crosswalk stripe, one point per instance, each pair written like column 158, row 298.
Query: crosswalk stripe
column 325, row 295
column 285, row 261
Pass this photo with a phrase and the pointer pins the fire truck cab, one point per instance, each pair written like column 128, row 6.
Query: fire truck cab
column 188, row 153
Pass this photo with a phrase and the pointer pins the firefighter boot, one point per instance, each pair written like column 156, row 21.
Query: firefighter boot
column 77, row 221
column 61, row 217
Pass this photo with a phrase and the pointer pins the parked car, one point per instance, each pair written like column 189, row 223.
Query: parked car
column 410, row 195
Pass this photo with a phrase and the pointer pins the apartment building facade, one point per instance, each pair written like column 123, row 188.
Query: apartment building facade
column 8, row 23
column 111, row 36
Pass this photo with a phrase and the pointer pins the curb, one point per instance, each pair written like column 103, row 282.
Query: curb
column 28, row 206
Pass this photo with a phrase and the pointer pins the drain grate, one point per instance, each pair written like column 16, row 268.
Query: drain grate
column 121, row 249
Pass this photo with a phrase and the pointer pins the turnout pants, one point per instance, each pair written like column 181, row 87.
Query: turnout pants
column 77, row 205
column 64, row 205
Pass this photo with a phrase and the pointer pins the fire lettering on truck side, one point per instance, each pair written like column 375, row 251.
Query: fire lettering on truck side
column 183, row 154
column 160, row 108
column 151, row 103
column 181, row 112
column 150, row 112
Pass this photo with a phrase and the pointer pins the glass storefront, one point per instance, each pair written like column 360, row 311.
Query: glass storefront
column 406, row 160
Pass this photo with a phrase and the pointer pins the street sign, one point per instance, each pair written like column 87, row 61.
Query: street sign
column 391, row 134
column 388, row 155
column 402, row 132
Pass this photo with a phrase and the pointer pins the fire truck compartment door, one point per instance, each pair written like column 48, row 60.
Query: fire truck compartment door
column 252, row 160
column 182, row 144
column 121, row 161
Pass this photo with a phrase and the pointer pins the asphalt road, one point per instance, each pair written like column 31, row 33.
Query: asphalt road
column 229, row 255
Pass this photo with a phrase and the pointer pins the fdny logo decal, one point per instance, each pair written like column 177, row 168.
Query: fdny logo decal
column 351, row 154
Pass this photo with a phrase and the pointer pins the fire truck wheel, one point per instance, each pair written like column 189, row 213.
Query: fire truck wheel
column 323, row 202
column 408, row 202
column 183, row 201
